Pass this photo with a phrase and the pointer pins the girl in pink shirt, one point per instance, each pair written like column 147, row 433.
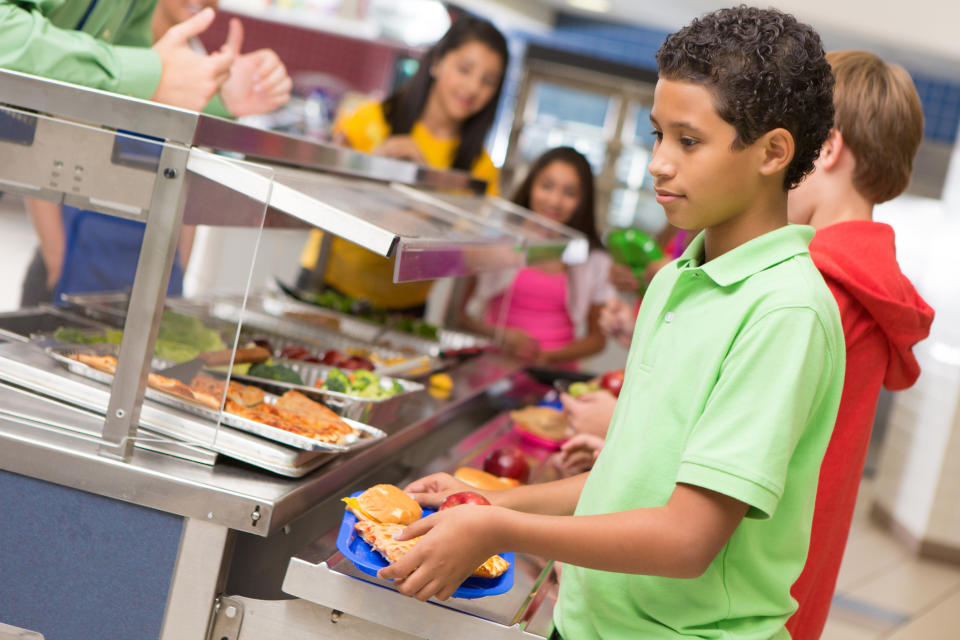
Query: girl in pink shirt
column 548, row 313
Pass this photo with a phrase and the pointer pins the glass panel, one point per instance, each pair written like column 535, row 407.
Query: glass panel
column 386, row 208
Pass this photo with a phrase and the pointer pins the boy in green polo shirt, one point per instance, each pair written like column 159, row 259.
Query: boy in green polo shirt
column 695, row 519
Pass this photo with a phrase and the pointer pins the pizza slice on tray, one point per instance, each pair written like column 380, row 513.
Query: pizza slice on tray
column 107, row 364
column 380, row 536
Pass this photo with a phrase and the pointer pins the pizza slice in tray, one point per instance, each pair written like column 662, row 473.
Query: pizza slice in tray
column 380, row 536
column 107, row 364
column 243, row 394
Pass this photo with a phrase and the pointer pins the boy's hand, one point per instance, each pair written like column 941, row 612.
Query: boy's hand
column 432, row 490
column 579, row 453
column 455, row 542
column 590, row 412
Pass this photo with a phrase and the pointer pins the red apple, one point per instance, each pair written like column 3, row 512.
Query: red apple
column 464, row 497
column 612, row 381
column 508, row 462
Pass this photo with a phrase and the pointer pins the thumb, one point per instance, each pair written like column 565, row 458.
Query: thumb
column 192, row 27
column 234, row 40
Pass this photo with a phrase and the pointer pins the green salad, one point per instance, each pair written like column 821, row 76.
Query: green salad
column 180, row 338
column 362, row 309
column 360, row 383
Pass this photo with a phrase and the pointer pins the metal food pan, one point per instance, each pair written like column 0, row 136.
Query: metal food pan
column 20, row 325
column 447, row 339
column 282, row 332
column 345, row 404
column 28, row 366
column 368, row 434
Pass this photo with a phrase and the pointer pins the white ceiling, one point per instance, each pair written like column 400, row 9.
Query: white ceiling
column 919, row 33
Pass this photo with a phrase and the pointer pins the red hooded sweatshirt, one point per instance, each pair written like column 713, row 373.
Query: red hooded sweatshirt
column 883, row 317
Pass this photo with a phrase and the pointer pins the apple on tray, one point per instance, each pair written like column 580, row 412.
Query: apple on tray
column 463, row 497
column 508, row 462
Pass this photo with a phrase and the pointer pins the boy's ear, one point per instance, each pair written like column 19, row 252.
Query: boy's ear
column 831, row 150
column 777, row 147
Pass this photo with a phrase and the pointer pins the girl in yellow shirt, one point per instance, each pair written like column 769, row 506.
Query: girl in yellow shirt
column 438, row 118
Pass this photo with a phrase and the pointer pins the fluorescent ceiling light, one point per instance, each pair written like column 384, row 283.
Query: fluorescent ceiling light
column 599, row 6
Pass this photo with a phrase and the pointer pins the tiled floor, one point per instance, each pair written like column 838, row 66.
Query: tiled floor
column 884, row 592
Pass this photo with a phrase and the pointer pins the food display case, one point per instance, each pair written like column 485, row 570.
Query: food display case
column 154, row 506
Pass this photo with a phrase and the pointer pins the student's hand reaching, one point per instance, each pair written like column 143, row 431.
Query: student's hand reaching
column 589, row 413
column 617, row 320
column 455, row 542
column 258, row 83
column 430, row 491
column 403, row 148
column 621, row 277
column 579, row 453
column 521, row 344
column 189, row 79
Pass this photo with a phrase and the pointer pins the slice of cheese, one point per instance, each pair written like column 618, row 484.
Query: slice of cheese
column 358, row 511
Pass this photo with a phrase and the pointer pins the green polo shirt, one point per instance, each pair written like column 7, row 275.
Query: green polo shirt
column 111, row 51
column 732, row 384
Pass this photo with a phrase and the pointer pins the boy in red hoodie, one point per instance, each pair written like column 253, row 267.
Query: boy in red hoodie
column 867, row 159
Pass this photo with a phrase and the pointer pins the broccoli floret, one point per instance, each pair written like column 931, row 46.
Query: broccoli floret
column 337, row 381
column 276, row 372
column 363, row 379
column 396, row 388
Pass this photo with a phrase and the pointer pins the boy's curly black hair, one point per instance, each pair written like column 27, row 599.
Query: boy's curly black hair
column 765, row 70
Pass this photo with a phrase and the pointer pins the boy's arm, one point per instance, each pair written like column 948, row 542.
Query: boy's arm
column 678, row 540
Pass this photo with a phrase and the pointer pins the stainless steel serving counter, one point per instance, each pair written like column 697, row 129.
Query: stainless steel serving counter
column 222, row 533
column 230, row 494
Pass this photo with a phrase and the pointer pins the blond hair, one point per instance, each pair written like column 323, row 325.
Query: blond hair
column 878, row 113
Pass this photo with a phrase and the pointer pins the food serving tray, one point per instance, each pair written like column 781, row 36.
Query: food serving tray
column 364, row 558
column 317, row 339
column 348, row 405
column 368, row 435
column 285, row 303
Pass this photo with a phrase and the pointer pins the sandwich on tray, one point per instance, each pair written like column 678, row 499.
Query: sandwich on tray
column 383, row 511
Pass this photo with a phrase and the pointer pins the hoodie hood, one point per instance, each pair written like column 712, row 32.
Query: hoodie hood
column 860, row 258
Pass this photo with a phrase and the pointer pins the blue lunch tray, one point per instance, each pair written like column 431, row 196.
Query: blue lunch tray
column 364, row 558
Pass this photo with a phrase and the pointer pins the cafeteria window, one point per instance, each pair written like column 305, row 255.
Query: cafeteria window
column 605, row 118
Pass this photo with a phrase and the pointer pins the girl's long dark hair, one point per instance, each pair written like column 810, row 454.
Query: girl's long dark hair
column 584, row 217
column 405, row 106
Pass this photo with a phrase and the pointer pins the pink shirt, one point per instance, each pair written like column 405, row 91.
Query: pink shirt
column 538, row 306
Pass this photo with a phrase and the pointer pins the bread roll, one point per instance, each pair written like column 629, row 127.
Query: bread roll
column 543, row 421
column 385, row 503
column 482, row 480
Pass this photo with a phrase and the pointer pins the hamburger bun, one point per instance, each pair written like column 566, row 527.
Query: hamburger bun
column 480, row 479
column 543, row 421
column 385, row 503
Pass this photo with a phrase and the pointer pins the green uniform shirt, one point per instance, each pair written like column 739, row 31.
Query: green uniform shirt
column 732, row 384
column 111, row 52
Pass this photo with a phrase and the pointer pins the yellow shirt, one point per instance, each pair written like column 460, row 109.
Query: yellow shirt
column 363, row 274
